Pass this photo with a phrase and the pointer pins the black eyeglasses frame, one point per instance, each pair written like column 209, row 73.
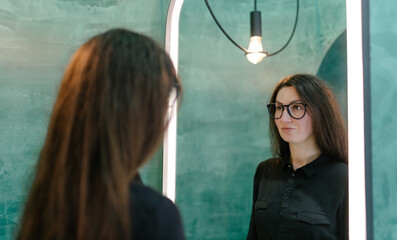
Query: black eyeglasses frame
column 177, row 88
column 286, row 106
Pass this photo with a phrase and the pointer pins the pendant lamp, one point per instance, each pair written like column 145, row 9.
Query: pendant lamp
column 255, row 52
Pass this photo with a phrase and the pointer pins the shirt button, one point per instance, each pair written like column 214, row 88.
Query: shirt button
column 293, row 174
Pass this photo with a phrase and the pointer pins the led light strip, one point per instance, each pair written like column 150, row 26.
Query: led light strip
column 355, row 93
column 169, row 146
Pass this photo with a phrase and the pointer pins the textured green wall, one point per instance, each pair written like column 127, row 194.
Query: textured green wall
column 333, row 68
column 383, row 61
column 37, row 38
column 222, row 125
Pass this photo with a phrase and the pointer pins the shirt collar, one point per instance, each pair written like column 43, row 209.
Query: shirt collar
column 311, row 168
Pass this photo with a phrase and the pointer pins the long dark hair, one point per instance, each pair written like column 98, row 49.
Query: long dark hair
column 108, row 118
column 328, row 124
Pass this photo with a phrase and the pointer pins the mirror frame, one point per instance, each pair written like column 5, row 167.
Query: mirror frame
column 359, row 128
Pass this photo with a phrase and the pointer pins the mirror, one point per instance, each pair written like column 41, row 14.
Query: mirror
column 223, row 119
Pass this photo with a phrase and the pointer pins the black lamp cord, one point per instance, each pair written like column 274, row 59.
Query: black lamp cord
column 293, row 31
column 245, row 50
column 221, row 28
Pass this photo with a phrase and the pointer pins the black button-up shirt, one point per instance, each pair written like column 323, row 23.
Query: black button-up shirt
column 309, row 203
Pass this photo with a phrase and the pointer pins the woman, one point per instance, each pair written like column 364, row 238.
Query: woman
column 107, row 121
column 302, row 192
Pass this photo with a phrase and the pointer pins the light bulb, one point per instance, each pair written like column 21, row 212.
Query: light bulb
column 255, row 52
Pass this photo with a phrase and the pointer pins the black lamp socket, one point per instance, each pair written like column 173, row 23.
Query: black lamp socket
column 256, row 24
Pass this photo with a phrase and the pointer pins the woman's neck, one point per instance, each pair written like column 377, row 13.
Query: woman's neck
column 304, row 153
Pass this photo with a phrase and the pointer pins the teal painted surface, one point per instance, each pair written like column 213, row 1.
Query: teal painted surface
column 222, row 125
column 383, row 36
column 333, row 70
column 37, row 39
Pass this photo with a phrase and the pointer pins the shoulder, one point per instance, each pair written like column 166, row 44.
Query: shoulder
column 269, row 167
column 336, row 166
column 141, row 193
column 335, row 173
column 270, row 163
column 150, row 200
column 335, row 170
column 152, row 213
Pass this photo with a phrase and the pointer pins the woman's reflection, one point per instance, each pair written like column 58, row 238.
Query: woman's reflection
column 302, row 193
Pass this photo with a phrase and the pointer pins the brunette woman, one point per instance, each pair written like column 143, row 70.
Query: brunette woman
column 302, row 192
column 107, row 121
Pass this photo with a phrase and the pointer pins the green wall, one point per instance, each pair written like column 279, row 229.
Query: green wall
column 222, row 125
column 222, row 131
column 383, row 62
column 37, row 38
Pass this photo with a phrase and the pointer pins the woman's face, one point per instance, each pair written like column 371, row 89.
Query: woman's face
column 292, row 130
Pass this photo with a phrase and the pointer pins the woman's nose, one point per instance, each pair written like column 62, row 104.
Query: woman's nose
column 286, row 117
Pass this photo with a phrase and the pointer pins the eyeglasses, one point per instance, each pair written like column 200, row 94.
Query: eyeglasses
column 295, row 110
column 174, row 94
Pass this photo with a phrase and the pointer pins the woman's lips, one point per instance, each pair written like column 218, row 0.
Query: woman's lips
column 287, row 129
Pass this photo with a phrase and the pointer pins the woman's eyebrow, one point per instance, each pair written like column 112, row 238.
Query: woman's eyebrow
column 295, row 101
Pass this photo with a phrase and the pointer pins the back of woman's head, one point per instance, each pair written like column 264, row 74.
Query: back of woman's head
column 117, row 86
column 107, row 120
column 328, row 124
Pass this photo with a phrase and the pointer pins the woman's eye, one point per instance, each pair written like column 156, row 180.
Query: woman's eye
column 296, row 107
column 279, row 108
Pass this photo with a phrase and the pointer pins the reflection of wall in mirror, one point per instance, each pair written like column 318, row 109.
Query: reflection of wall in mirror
column 222, row 125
